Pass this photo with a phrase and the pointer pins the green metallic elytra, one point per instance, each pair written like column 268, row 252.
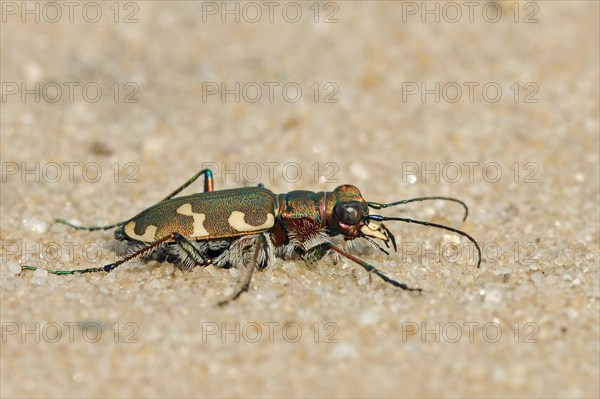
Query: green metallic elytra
column 206, row 216
column 225, row 227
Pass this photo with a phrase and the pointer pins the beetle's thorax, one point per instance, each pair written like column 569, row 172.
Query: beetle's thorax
column 301, row 213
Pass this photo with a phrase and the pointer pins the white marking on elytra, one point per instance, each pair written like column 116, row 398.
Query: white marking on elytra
column 199, row 230
column 148, row 236
column 236, row 220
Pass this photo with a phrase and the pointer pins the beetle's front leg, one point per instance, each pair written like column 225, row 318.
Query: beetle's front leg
column 326, row 246
column 312, row 255
column 316, row 253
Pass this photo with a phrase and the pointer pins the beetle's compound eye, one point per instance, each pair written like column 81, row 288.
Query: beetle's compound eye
column 350, row 213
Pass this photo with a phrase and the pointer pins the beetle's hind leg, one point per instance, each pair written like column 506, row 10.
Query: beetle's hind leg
column 111, row 266
column 193, row 256
column 262, row 244
column 208, row 187
column 87, row 228
column 208, row 183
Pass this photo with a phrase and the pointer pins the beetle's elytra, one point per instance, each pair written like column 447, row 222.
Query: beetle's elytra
column 253, row 225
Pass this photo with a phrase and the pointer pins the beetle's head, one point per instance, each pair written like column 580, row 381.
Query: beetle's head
column 348, row 214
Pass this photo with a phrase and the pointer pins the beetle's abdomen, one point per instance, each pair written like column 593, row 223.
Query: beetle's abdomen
column 205, row 216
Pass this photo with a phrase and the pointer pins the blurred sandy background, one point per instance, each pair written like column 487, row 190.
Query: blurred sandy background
column 107, row 107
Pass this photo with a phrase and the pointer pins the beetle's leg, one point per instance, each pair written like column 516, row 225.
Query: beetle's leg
column 208, row 183
column 88, row 228
column 190, row 250
column 208, row 187
column 313, row 254
column 244, row 287
column 371, row 269
column 111, row 266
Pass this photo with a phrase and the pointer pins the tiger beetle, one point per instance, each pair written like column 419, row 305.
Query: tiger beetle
column 252, row 224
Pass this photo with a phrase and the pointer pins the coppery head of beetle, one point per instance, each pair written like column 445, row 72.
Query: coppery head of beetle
column 348, row 214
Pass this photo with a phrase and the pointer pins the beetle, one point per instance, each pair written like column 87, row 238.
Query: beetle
column 252, row 224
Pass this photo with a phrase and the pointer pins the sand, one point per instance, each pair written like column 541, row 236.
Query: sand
column 109, row 107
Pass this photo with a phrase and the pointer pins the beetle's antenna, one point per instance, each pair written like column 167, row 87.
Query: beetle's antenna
column 439, row 226
column 376, row 205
